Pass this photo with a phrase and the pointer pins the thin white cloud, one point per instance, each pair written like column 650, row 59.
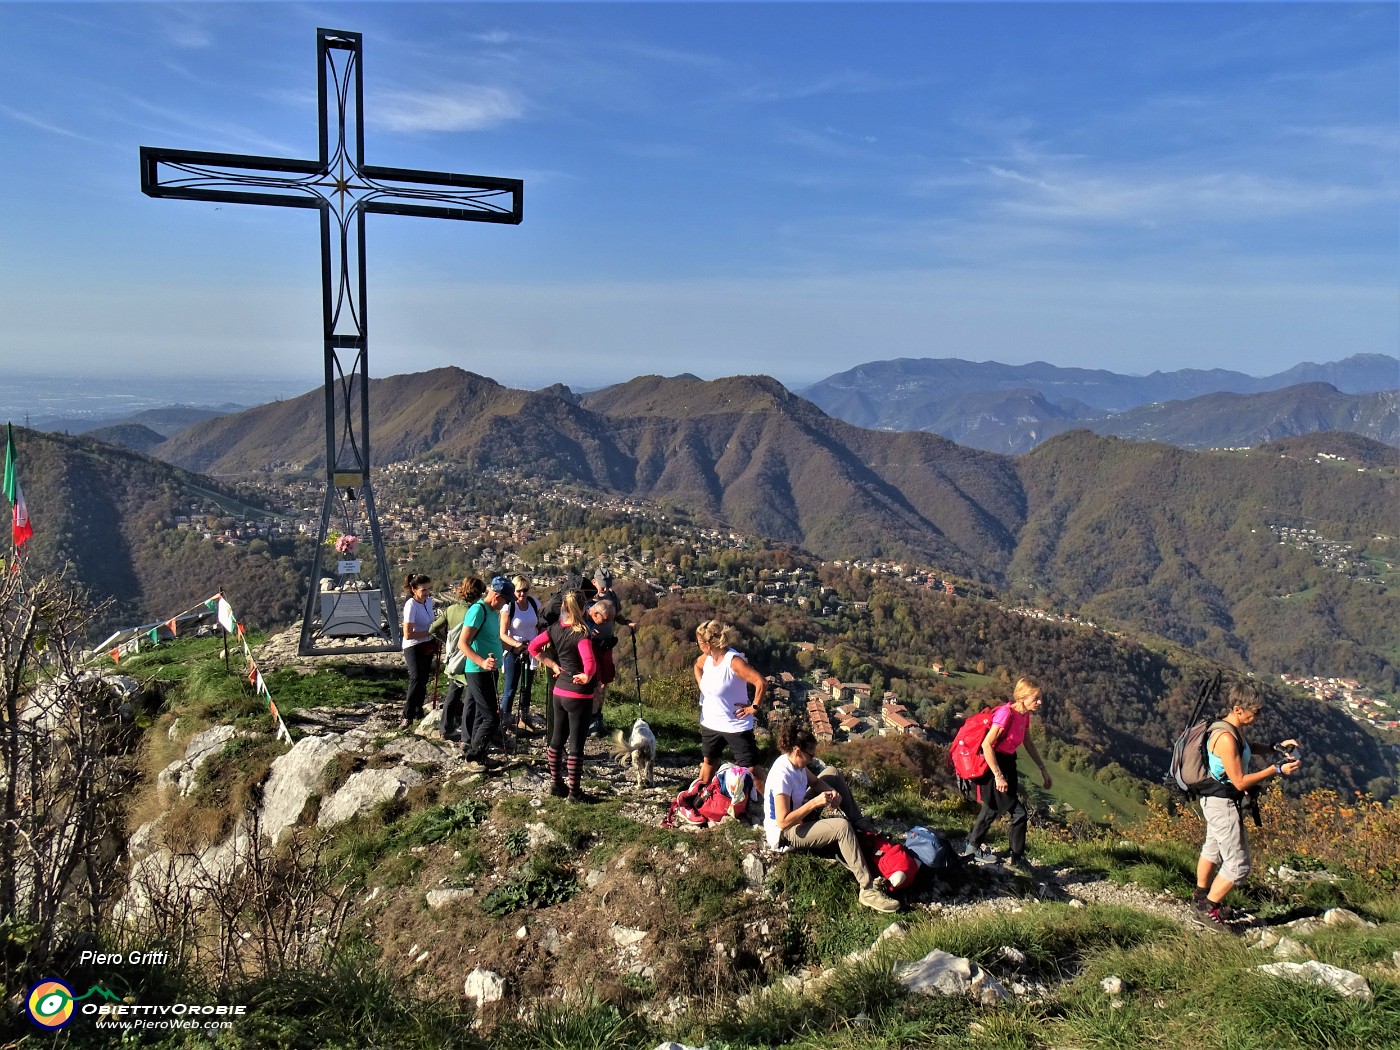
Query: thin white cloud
column 42, row 125
column 183, row 27
column 846, row 82
column 1079, row 197
column 464, row 108
column 189, row 131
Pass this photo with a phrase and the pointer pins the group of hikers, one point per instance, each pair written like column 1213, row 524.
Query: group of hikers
column 499, row 626
column 806, row 806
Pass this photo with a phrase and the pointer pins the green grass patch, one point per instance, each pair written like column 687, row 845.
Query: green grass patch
column 592, row 1024
column 827, row 921
column 1101, row 803
column 358, row 1004
column 336, row 685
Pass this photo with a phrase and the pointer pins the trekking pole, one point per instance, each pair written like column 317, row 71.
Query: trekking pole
column 1210, row 690
column 637, row 672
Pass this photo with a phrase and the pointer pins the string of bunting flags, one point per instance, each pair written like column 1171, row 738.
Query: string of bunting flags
column 223, row 612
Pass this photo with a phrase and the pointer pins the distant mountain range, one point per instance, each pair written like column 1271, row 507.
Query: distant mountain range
column 1182, row 543
column 140, row 431
column 1012, row 408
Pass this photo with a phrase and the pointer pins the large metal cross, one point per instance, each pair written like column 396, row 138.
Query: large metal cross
column 343, row 188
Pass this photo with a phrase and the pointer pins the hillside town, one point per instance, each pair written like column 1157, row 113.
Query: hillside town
column 519, row 535
column 1347, row 695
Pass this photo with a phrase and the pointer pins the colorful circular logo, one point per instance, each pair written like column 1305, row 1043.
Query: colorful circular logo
column 50, row 1004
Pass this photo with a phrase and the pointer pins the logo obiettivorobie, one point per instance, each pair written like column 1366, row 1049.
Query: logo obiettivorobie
column 50, row 1004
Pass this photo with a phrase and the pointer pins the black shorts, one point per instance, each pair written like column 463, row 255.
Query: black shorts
column 741, row 745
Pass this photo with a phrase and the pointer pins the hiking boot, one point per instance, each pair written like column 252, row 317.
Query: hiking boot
column 1017, row 862
column 1208, row 917
column 596, row 727
column 558, row 790
column 1226, row 913
column 579, row 797
column 980, row 854
column 474, row 765
column 524, row 728
column 878, row 901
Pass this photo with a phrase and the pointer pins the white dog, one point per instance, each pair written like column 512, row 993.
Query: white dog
column 637, row 750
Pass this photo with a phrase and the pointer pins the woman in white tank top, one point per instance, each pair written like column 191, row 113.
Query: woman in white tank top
column 726, row 713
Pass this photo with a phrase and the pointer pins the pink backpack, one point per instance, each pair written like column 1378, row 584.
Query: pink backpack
column 699, row 805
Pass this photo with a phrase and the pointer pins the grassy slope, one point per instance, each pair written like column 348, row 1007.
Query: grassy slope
column 1180, row 989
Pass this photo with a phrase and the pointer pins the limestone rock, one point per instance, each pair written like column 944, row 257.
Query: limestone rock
column 1343, row 982
column 442, row 898
column 295, row 776
column 365, row 790
column 415, row 750
column 1112, row 985
column 1336, row 917
column 180, row 774
column 484, row 987
column 893, row 930
column 1287, row 874
column 1288, row 948
column 624, row 937
column 986, row 989
column 937, row 973
column 753, row 871
column 1013, row 956
column 1263, row 938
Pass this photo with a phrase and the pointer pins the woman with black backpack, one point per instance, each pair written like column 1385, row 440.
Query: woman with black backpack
column 520, row 624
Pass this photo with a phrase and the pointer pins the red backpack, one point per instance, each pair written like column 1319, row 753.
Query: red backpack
column 965, row 752
column 896, row 865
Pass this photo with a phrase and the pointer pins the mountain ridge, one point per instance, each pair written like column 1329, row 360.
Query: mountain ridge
column 1010, row 408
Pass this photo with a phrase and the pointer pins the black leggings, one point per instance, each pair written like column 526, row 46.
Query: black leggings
column 571, row 718
column 420, row 670
column 995, row 803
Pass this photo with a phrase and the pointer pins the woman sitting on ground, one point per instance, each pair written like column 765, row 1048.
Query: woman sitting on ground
column 794, row 800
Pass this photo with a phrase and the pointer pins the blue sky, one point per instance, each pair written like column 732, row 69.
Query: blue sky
column 787, row 188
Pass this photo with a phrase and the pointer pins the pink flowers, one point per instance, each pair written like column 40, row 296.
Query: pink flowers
column 346, row 545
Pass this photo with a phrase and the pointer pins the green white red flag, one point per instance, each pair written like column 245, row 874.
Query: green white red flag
column 21, row 529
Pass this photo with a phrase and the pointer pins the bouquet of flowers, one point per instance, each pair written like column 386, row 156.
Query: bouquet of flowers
column 345, row 545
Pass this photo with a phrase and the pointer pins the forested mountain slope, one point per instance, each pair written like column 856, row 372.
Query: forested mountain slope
column 105, row 516
column 1189, row 545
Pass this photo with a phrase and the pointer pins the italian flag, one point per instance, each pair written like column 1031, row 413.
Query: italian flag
column 22, row 529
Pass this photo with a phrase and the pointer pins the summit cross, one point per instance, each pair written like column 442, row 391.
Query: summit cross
column 343, row 188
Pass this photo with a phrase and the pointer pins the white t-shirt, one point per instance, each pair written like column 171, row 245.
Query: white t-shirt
column 523, row 624
column 420, row 615
column 787, row 779
column 722, row 692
